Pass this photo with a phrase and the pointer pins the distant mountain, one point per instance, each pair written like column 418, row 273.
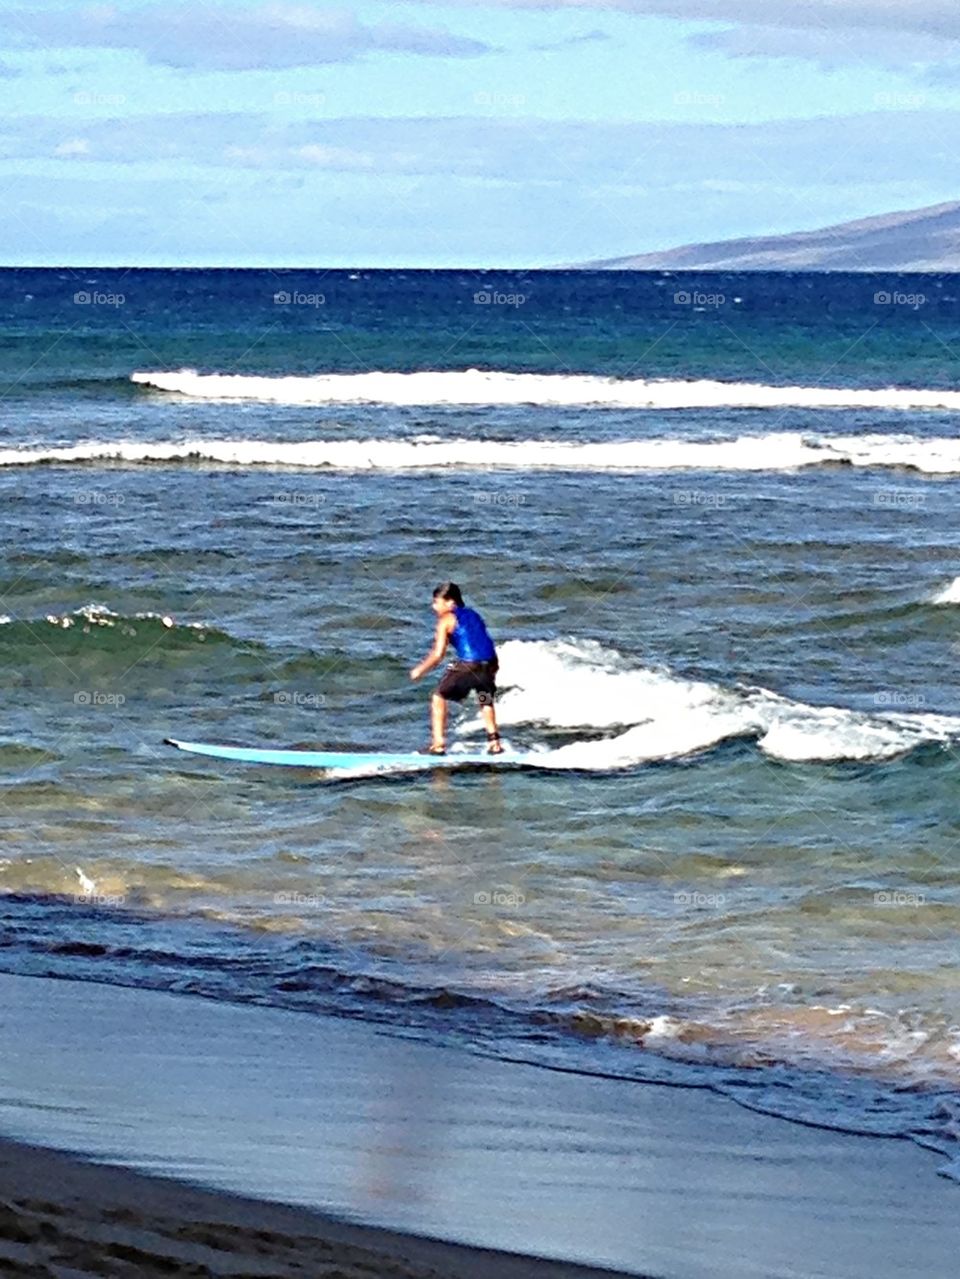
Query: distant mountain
column 915, row 240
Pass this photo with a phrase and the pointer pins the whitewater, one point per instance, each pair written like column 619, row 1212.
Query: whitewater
column 776, row 451
column 490, row 387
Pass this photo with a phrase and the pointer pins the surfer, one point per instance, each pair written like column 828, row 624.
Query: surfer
column 475, row 669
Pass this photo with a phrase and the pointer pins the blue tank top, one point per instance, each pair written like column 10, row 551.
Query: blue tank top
column 470, row 637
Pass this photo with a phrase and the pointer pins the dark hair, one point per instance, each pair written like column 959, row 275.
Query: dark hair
column 449, row 591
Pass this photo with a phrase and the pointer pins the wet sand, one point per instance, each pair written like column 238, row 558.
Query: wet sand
column 60, row 1217
column 370, row 1130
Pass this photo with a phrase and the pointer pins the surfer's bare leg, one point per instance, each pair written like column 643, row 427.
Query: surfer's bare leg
column 489, row 717
column 438, row 721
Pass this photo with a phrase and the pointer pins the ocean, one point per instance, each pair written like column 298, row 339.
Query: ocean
column 711, row 521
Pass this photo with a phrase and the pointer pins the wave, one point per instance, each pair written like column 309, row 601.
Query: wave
column 616, row 714
column 777, row 451
column 112, row 643
column 103, row 627
column 949, row 595
column 43, row 382
column 480, row 387
column 652, row 715
column 818, row 1067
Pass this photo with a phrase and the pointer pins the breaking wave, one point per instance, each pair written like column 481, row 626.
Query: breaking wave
column 480, row 386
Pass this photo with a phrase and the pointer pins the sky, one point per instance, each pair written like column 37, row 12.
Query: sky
column 480, row 133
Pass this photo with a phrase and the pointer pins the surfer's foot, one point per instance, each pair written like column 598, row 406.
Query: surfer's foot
column 494, row 747
column 435, row 748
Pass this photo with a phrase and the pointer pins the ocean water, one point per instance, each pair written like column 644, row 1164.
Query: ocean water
column 712, row 523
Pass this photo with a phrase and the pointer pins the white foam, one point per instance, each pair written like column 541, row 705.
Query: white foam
column 663, row 1027
column 949, row 595
column 479, row 387
column 778, row 451
column 570, row 685
column 832, row 733
column 86, row 884
column 95, row 614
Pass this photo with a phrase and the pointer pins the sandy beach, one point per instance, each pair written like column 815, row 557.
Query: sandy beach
column 370, row 1131
column 61, row 1217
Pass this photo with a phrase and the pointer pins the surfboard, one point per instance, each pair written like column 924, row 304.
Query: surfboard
column 344, row 759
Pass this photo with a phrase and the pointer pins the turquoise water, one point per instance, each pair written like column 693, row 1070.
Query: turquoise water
column 718, row 551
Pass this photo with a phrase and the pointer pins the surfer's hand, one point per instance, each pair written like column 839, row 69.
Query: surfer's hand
column 415, row 673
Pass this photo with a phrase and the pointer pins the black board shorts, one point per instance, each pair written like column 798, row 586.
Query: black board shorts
column 461, row 678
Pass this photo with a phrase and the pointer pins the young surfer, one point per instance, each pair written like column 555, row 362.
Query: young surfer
column 475, row 669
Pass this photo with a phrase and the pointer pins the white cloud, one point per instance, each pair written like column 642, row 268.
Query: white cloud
column 566, row 42
column 220, row 37
column 72, row 147
column 631, row 191
column 929, row 17
column 327, row 157
column 895, row 32
column 830, row 47
column 873, row 147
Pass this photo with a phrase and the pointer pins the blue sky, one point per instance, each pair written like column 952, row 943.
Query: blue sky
column 529, row 133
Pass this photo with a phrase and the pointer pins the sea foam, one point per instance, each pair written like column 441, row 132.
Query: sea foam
column 776, row 451
column 480, row 386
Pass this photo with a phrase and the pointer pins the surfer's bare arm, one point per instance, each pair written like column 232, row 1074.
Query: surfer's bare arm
column 435, row 656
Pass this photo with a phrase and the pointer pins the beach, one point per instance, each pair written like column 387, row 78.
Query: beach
column 59, row 1215
column 361, row 1133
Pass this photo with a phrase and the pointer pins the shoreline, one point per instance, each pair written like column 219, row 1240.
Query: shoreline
column 340, row 1128
column 102, row 1219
